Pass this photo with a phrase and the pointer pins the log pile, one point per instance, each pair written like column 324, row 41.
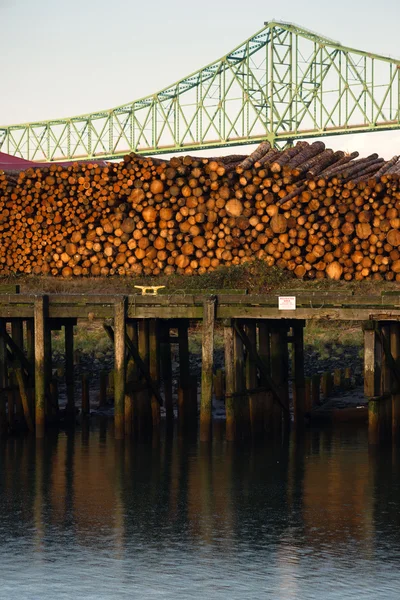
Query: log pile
column 308, row 209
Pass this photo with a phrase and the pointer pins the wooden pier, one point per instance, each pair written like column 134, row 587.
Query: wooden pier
column 257, row 334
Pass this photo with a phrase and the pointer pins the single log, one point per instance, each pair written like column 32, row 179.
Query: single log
column 260, row 151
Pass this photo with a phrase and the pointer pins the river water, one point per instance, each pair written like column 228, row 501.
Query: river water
column 85, row 517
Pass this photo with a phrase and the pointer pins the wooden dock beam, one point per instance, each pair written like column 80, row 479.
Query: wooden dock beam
column 207, row 360
column 120, row 366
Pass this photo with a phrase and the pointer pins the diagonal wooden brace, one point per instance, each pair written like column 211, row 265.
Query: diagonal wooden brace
column 257, row 360
column 17, row 353
column 136, row 357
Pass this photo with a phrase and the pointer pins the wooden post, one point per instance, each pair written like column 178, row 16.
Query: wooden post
column 338, row 378
column 24, row 397
column 69, row 368
column 131, row 379
column 143, row 398
column 103, row 389
column 347, row 378
column 3, row 378
column 307, row 395
column 230, row 400
column 40, row 316
column 154, row 368
column 11, row 400
column 219, row 384
column 298, row 367
column 386, row 385
column 30, row 341
column 315, row 389
column 264, row 351
column 187, row 413
column 279, row 370
column 17, row 335
column 255, row 406
column 372, row 380
column 326, row 384
column 242, row 412
column 119, row 362
column 395, row 350
column 85, row 394
column 207, row 360
column 53, row 395
column 166, row 371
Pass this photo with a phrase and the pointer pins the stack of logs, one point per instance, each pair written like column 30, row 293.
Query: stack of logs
column 308, row 209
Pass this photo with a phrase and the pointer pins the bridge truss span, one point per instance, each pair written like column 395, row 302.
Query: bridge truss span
column 283, row 83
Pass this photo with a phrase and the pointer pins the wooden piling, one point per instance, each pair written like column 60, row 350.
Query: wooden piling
column 255, row 402
column 219, row 384
column 347, row 377
column 279, row 370
column 386, row 382
column 326, row 384
column 230, row 400
column 11, row 400
column 395, row 350
column 154, row 368
column 20, row 377
column 315, row 389
column 242, row 402
column 307, row 395
column 264, row 351
column 69, row 367
column 187, row 412
column 18, row 338
column 30, row 341
column 298, row 373
column 103, row 389
column 131, row 379
column 207, row 360
column 3, row 378
column 338, row 378
column 166, row 371
column 372, row 380
column 119, row 362
column 40, row 316
column 85, row 394
column 143, row 396
column 53, row 399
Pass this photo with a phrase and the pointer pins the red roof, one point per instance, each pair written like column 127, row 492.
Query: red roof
column 14, row 163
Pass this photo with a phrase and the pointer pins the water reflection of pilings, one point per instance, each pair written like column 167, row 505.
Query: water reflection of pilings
column 220, row 495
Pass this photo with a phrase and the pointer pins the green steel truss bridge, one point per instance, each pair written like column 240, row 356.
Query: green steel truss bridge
column 282, row 84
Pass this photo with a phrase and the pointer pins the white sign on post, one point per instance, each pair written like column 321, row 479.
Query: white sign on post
column 287, row 302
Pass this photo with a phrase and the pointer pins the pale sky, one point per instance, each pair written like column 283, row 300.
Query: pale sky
column 61, row 58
